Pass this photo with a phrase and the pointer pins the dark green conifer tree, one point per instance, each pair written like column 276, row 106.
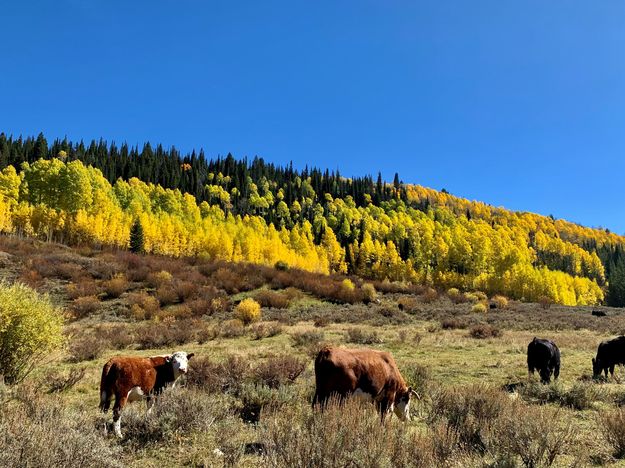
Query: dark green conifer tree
column 136, row 237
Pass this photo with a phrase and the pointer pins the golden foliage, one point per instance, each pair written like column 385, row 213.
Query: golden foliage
column 432, row 237
column 247, row 311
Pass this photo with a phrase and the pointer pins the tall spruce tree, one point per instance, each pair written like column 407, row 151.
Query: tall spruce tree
column 136, row 237
column 616, row 288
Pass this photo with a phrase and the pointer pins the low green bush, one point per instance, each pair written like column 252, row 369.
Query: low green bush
column 31, row 327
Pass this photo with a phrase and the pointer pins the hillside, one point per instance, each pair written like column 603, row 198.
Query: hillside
column 249, row 388
column 231, row 210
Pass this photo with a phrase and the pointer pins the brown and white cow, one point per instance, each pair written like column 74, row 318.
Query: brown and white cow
column 130, row 379
column 366, row 373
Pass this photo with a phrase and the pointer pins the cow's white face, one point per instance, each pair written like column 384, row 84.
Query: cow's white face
column 180, row 362
column 402, row 405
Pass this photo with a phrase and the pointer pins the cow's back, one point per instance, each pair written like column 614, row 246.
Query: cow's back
column 122, row 373
column 335, row 372
column 612, row 351
column 343, row 371
column 540, row 350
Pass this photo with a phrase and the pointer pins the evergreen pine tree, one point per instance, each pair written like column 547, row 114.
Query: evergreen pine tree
column 136, row 237
column 616, row 289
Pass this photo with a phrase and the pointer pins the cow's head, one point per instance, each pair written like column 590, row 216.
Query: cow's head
column 180, row 362
column 596, row 367
column 402, row 403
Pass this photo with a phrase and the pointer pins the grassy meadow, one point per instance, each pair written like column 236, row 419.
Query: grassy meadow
column 246, row 400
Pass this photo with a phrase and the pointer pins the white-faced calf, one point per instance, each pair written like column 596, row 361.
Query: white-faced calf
column 134, row 378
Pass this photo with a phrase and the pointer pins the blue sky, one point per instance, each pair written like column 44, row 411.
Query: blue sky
column 518, row 104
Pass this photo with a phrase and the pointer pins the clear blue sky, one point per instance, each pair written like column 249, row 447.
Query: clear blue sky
column 519, row 104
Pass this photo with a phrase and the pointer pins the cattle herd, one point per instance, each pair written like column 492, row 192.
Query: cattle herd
column 364, row 373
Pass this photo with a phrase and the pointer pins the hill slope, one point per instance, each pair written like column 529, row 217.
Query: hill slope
column 319, row 221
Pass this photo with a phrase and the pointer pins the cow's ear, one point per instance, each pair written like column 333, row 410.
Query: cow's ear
column 190, row 355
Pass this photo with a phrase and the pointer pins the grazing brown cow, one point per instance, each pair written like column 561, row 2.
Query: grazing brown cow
column 366, row 373
column 134, row 378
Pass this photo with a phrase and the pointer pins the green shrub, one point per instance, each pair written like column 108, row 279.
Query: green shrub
column 478, row 308
column 481, row 296
column 471, row 297
column 369, row 292
column 30, row 328
column 347, row 285
column 247, row 311
column 500, row 302
column 456, row 296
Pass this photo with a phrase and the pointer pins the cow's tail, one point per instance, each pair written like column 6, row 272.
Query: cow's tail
column 106, row 386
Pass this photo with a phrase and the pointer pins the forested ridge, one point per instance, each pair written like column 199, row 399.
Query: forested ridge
column 250, row 210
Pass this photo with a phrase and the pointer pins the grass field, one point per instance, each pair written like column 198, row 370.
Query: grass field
column 249, row 389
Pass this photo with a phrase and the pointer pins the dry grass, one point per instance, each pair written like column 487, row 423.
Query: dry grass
column 58, row 383
column 177, row 412
column 166, row 334
column 360, row 336
column 86, row 347
column 116, row 286
column 278, row 370
column 269, row 298
column 348, row 434
column 266, row 330
column 84, row 306
column 42, row 432
column 536, row 434
column 86, row 287
column 611, row 424
column 483, row 331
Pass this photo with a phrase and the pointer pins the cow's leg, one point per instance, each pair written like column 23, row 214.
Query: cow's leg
column 316, row 399
column 611, row 371
column 545, row 375
column 556, row 372
column 149, row 402
column 320, row 400
column 385, row 406
column 605, row 371
column 120, row 402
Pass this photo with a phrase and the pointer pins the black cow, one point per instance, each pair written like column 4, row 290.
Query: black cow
column 610, row 353
column 543, row 356
column 599, row 313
